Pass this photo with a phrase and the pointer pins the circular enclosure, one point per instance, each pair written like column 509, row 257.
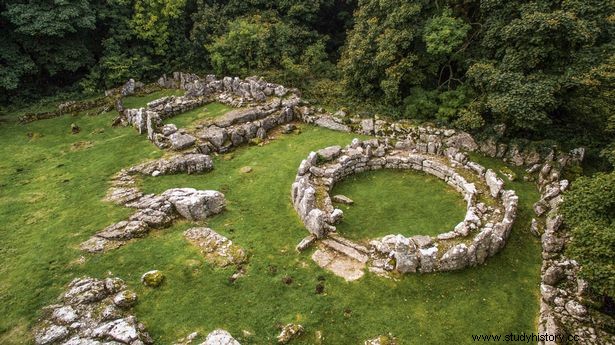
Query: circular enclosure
column 490, row 210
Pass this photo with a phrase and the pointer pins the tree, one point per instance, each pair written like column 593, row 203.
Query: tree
column 49, row 39
column 589, row 211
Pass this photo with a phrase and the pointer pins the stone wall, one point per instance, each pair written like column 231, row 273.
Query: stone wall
column 564, row 295
column 489, row 225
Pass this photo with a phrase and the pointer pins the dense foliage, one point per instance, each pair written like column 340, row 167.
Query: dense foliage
column 589, row 210
column 531, row 65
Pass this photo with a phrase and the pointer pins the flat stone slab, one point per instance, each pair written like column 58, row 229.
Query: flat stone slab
column 216, row 248
column 339, row 264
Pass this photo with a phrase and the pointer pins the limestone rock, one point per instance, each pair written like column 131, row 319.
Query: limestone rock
column 576, row 309
column 215, row 135
column 553, row 275
column 329, row 153
column 168, row 129
column 495, row 184
column 152, row 278
column 50, row 335
column 289, row 332
column 342, row 199
column 181, row 141
column 220, row 337
column 455, row 258
column 216, row 248
column 195, row 204
column 89, row 309
column 125, row 299
column 240, row 116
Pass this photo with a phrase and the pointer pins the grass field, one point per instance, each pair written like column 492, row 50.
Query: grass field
column 398, row 202
column 51, row 186
column 194, row 116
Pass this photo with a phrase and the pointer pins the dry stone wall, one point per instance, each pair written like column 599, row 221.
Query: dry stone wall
column 563, row 309
column 488, row 227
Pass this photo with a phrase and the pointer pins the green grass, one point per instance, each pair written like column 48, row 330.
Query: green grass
column 141, row 101
column 50, row 201
column 398, row 202
column 208, row 111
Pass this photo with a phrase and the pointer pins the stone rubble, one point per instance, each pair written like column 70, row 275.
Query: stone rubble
column 92, row 311
column 156, row 211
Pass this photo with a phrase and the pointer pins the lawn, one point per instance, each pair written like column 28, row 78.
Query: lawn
column 141, row 101
column 51, row 189
column 194, row 116
column 398, row 202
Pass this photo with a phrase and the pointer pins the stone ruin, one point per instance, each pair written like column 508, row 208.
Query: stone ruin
column 490, row 213
column 92, row 311
column 97, row 312
column 264, row 106
column 156, row 211
column 261, row 107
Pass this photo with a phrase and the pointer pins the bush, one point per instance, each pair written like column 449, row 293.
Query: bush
column 589, row 211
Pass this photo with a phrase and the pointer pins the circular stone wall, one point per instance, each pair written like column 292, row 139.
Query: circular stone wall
column 490, row 211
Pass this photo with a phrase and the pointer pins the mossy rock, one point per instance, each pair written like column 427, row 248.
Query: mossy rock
column 152, row 278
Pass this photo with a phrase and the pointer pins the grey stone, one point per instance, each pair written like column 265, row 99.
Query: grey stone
column 240, row 116
column 152, row 278
column 576, row 309
column 125, row 299
column 168, row 129
column 455, row 258
column 195, row 204
column 494, row 182
column 50, row 335
column 181, row 141
column 329, row 153
column 215, row 135
column 553, row 275
column 220, row 337
column 342, row 199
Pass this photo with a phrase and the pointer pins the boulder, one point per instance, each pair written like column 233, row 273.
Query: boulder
column 125, row 299
column 553, row 275
column 329, row 153
column 181, row 141
column 195, row 204
column 240, row 116
column 455, row 258
column 152, row 278
column 220, row 337
column 576, row 309
column 215, row 135
column 494, row 183
column 168, row 129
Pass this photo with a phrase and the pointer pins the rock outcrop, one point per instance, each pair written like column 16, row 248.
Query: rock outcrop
column 92, row 311
column 216, row 248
